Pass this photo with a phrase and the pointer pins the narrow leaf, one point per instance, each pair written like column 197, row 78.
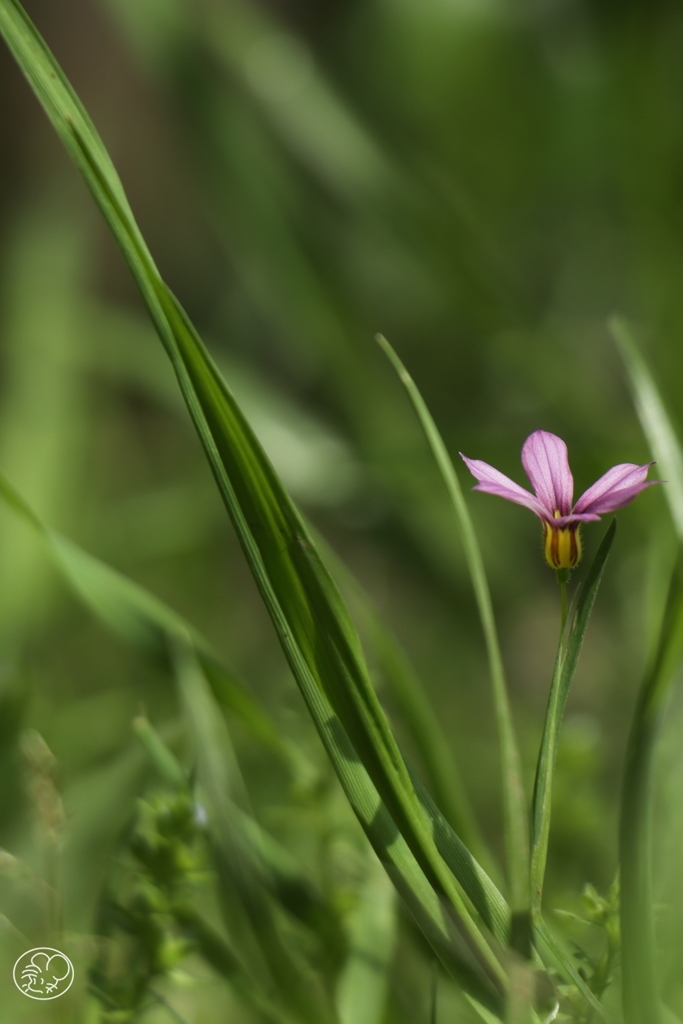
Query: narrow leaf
column 638, row 941
column 516, row 827
column 565, row 666
column 364, row 981
column 142, row 619
column 654, row 419
column 239, row 876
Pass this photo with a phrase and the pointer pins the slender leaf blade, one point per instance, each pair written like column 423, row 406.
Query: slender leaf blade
column 565, row 666
column 141, row 618
column 516, row 826
column 641, row 997
column 654, row 419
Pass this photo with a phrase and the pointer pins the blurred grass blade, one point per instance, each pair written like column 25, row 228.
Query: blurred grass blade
column 221, row 786
column 566, row 966
column 638, row 941
column 565, row 666
column 516, row 821
column 216, row 951
column 417, row 714
column 654, row 419
column 143, row 619
column 364, row 981
column 424, row 726
column 482, row 892
column 435, row 994
column 484, row 1013
column 279, row 871
column 162, row 758
column 641, row 992
column 312, row 623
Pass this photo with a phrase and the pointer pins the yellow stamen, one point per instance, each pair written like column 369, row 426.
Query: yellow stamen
column 562, row 547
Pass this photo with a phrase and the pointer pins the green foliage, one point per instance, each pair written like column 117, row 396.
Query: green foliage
column 484, row 185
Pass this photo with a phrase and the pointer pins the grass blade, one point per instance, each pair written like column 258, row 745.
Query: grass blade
column 641, row 992
column 142, row 619
column 310, row 618
column 654, row 419
column 364, row 981
column 516, row 822
column 567, row 967
column 276, row 867
column 565, row 667
column 417, row 714
column 239, row 877
column 638, row 944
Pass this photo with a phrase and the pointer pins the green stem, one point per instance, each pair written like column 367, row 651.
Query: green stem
column 562, row 578
column 565, row 664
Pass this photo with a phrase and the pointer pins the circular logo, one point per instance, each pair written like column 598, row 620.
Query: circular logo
column 43, row 973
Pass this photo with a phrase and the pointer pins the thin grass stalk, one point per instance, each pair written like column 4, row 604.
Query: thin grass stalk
column 565, row 666
column 641, row 997
column 514, row 800
column 641, row 988
column 417, row 714
column 654, row 419
column 143, row 620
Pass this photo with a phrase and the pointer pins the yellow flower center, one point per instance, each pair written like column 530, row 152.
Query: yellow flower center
column 562, row 546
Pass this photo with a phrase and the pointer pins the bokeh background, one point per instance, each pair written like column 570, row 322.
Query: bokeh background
column 484, row 182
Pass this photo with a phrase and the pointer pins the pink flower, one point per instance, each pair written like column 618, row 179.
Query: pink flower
column 544, row 457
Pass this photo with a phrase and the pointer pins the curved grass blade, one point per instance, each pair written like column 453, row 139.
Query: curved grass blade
column 641, row 993
column 417, row 714
column 567, row 967
column 565, row 666
column 638, row 943
column 654, row 419
column 278, row 870
column 143, row 619
column 311, row 621
column 240, row 879
column 364, row 980
column 516, row 822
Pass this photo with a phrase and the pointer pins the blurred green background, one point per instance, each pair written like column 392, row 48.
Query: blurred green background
column 484, row 182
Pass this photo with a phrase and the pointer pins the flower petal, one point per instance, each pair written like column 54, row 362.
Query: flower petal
column 616, row 488
column 574, row 520
column 544, row 457
column 492, row 481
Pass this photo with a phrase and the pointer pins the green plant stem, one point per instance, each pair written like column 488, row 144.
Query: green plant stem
column 563, row 605
column 565, row 665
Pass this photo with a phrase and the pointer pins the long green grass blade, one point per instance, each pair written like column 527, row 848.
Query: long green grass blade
column 212, row 946
column 638, row 941
column 654, row 419
column 142, row 619
column 516, row 821
column 568, row 968
column 311, row 621
column 565, row 666
column 278, row 870
column 364, row 981
column 417, row 714
column 641, row 989
column 239, row 876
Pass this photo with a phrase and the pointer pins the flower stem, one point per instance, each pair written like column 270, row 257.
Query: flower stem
column 562, row 577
